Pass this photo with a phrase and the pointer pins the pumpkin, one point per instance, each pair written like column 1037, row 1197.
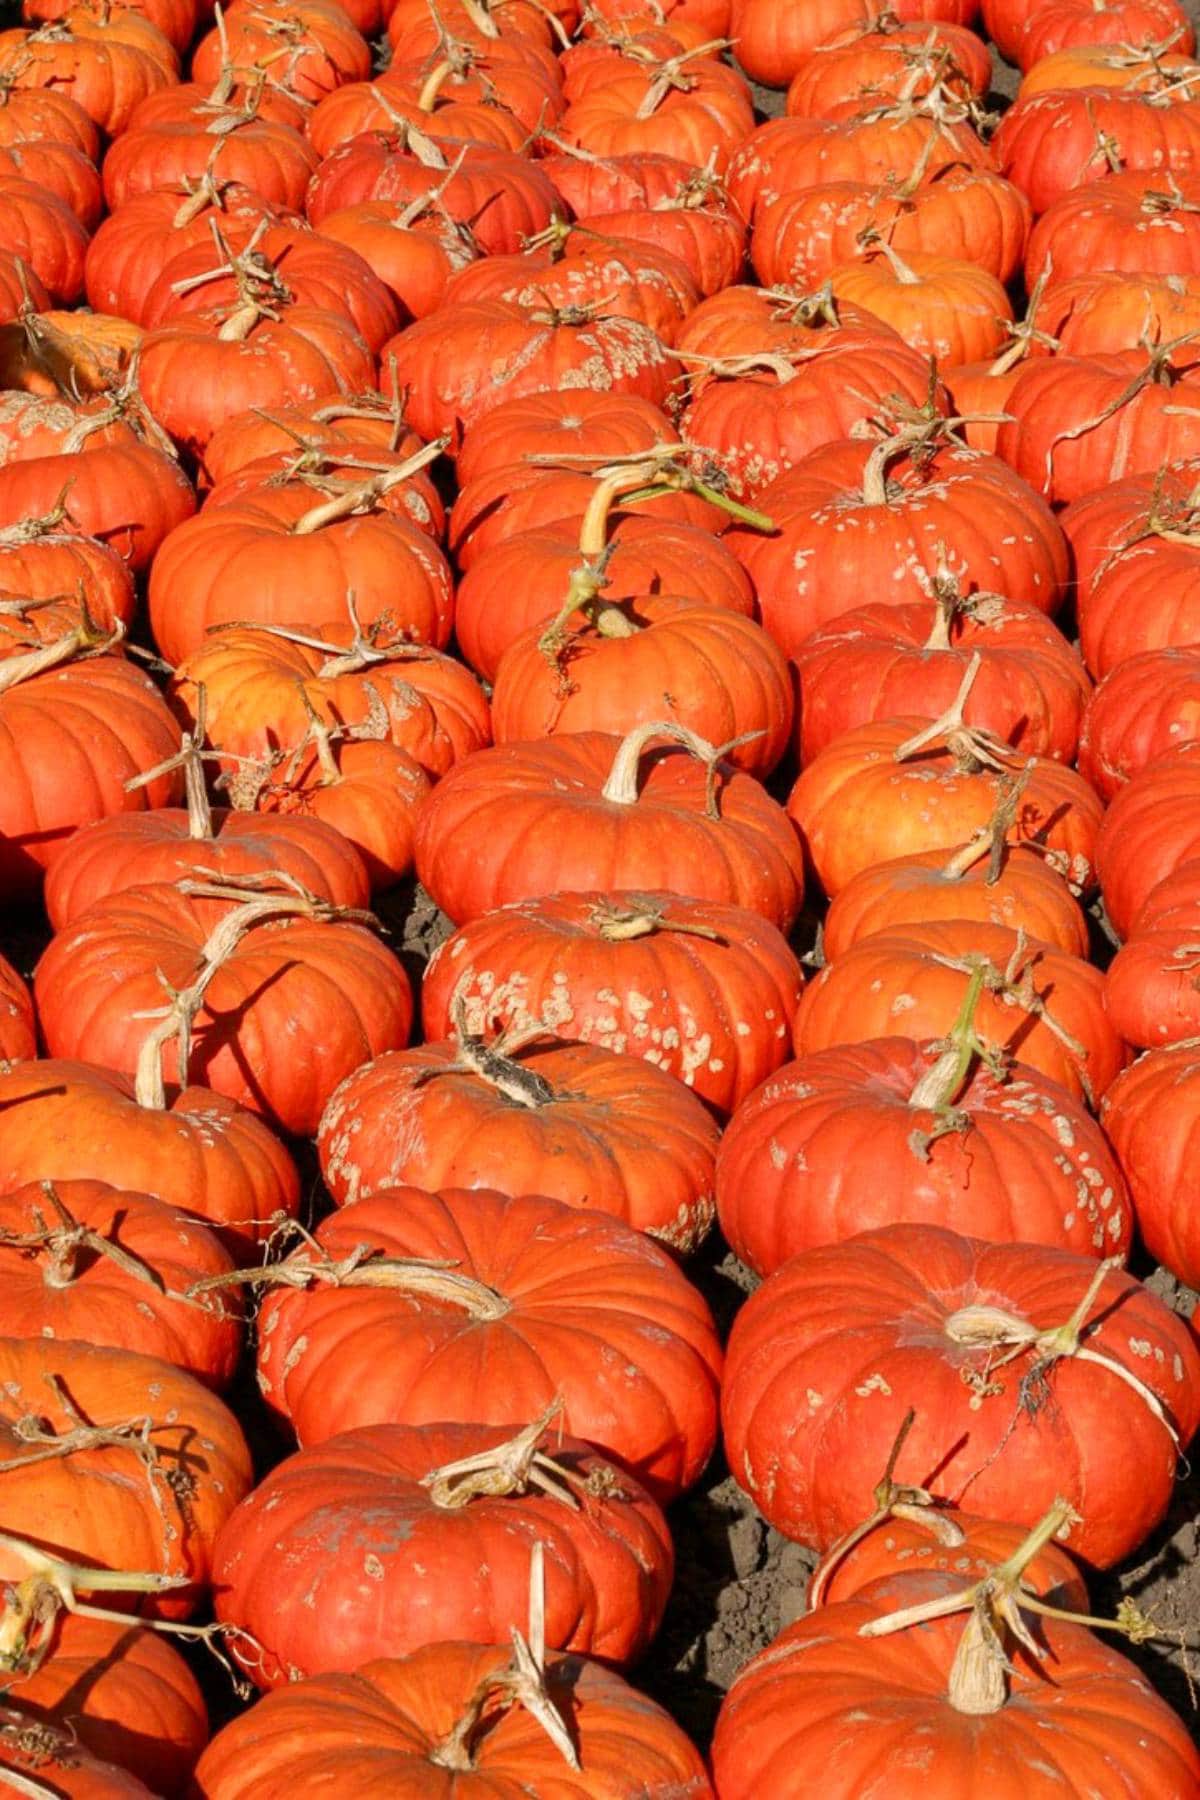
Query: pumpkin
column 33, row 1752
column 986, row 878
column 1109, row 310
column 881, row 660
column 774, row 42
column 943, row 307
column 280, row 557
column 623, row 664
column 39, row 227
column 632, row 281
column 827, row 1356
column 181, row 148
column 413, row 260
column 561, row 1302
column 108, row 62
column 697, row 224
column 1053, row 25
column 367, row 420
column 123, row 1693
column 30, row 115
column 1148, row 1115
column 18, row 1035
column 1149, row 830
column 400, row 1501
column 365, row 790
column 39, row 565
column 688, row 106
column 1039, row 1003
column 523, row 580
column 262, row 687
column 784, row 1719
column 331, row 468
column 70, row 739
column 608, row 813
column 892, row 787
column 321, row 49
column 1145, row 706
column 1136, row 220
column 585, row 1125
column 914, row 1536
column 64, row 170
column 856, row 519
column 106, row 1492
column 503, row 197
column 704, row 991
column 176, row 19
column 106, row 1266
column 400, row 1722
column 550, row 427
column 199, row 1153
column 462, row 361
column 874, row 62
column 128, row 493
column 890, row 1131
column 801, row 236
column 267, row 966
column 1107, row 417
column 1055, row 141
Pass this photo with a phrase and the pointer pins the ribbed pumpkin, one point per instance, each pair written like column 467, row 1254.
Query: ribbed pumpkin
column 704, row 991
column 1149, row 1115
column 1151, row 828
column 273, row 968
column 826, row 1358
column 591, row 811
column 1136, row 220
column 397, row 1499
column 1053, row 142
column 1144, row 707
column 536, row 1288
column 1039, row 1004
column 585, row 1125
column 890, row 1131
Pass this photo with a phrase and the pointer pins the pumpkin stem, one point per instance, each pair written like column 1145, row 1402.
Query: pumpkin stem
column 363, row 1268
column 522, row 1683
column 972, row 747
column 67, row 1239
column 1015, row 983
column 364, row 496
column 992, row 839
column 643, row 915
column 30, row 1607
column 622, row 785
column 674, row 74
column 494, row 1063
column 82, row 642
column 190, row 758
column 1025, row 333
column 517, row 1466
column 941, row 1084
column 893, row 1500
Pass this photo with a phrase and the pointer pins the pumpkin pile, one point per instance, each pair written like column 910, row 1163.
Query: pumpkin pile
column 740, row 578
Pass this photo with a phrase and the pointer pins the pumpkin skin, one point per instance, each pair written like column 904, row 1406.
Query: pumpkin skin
column 69, row 741
column 700, row 666
column 881, row 660
column 633, row 281
column 1109, row 310
column 773, row 42
column 131, row 246
column 1144, row 707
column 376, row 1730
column 358, row 419
column 870, row 64
column 41, row 566
column 256, row 685
column 29, row 115
column 324, row 48
column 944, row 307
column 134, row 849
column 1131, row 221
column 18, row 1034
column 200, row 1153
column 1137, row 591
column 461, row 362
column 370, row 796
column 803, row 235
column 40, row 227
column 614, row 1133
column 96, row 1506
column 1053, row 25
column 1053, row 397
column 507, row 502
column 702, row 120
column 247, row 558
column 572, row 1280
column 884, row 1303
column 824, row 1149
column 127, row 1695
column 478, row 817
column 1047, row 144
column 1149, row 1115
column 783, row 1725
column 836, row 540
column 1149, row 830
column 332, row 986
column 903, row 1546
column 855, row 999
column 106, row 63
column 608, row 1563
column 169, row 149
column 705, row 992
column 856, row 804
column 1027, row 895
column 89, row 1297
column 522, row 580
